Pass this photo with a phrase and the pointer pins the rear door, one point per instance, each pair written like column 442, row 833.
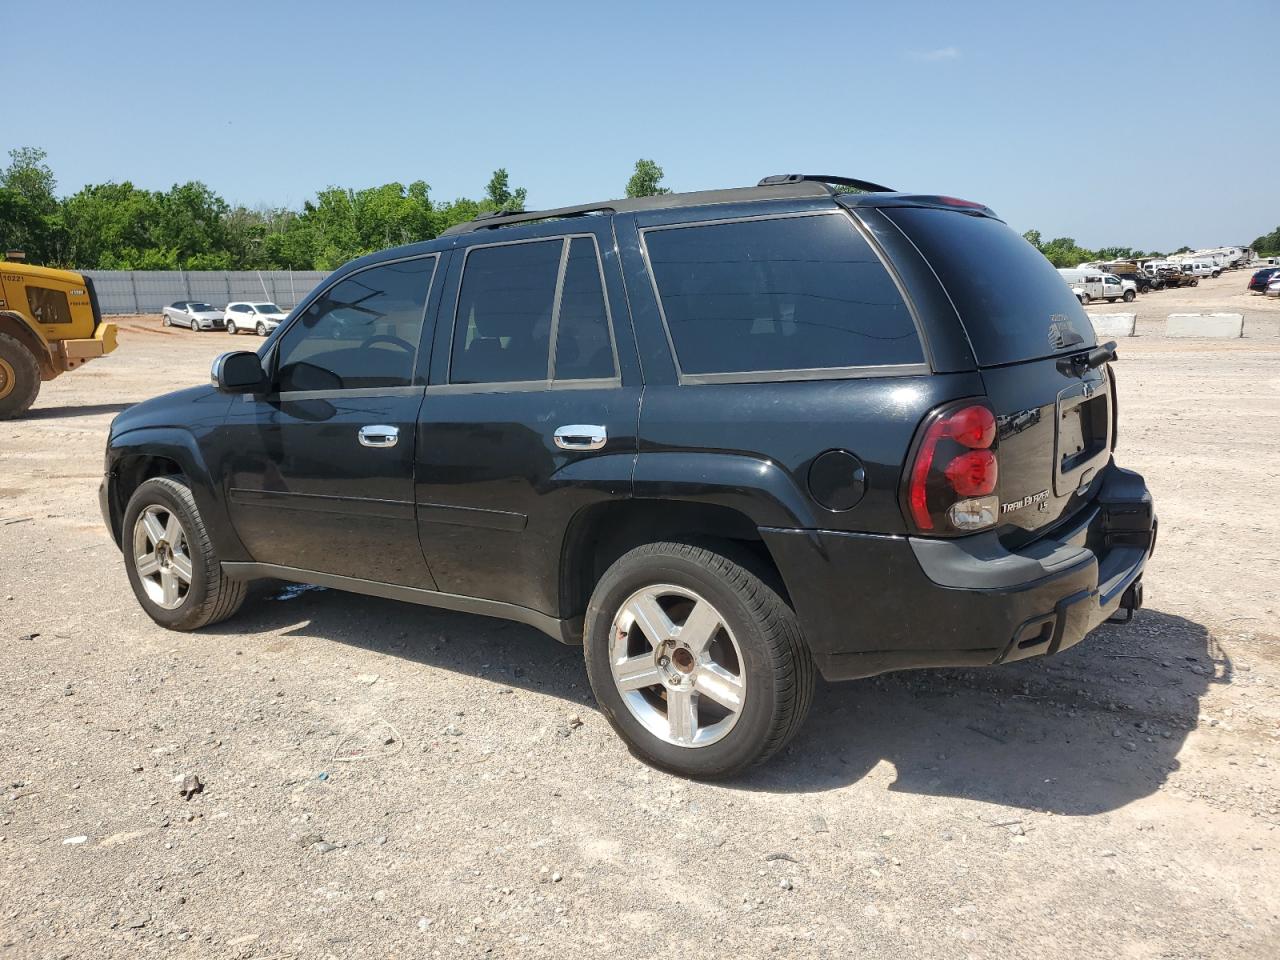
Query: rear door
column 1054, row 417
column 530, row 416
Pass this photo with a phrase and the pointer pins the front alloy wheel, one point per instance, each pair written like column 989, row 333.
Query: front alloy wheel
column 231, row 327
column 677, row 665
column 261, row 329
column 170, row 559
column 160, row 556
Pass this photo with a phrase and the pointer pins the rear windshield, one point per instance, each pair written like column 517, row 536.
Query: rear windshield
column 1014, row 304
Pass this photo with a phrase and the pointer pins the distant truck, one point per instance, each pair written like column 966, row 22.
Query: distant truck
column 50, row 323
column 1090, row 285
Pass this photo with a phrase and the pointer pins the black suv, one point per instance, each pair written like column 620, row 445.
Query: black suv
column 725, row 440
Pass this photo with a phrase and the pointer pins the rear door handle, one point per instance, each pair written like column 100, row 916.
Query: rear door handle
column 379, row 435
column 581, row 436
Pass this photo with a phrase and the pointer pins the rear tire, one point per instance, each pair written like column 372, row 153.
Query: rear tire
column 19, row 378
column 1085, row 298
column 172, row 565
column 743, row 661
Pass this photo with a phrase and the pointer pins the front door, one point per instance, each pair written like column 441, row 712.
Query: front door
column 319, row 472
column 531, row 413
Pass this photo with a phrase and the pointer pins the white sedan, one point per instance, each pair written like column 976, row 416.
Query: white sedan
column 261, row 318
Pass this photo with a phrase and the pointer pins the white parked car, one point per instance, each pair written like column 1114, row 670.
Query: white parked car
column 195, row 314
column 1273, row 288
column 1200, row 268
column 1090, row 285
column 261, row 318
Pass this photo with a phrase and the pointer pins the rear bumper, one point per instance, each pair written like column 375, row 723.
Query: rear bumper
column 869, row 604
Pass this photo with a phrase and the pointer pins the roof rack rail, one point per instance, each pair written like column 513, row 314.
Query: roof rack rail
column 866, row 185
column 504, row 218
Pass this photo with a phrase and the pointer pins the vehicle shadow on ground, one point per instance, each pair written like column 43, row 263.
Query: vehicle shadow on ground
column 1088, row 731
column 74, row 410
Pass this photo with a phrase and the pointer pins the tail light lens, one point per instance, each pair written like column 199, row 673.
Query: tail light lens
column 952, row 479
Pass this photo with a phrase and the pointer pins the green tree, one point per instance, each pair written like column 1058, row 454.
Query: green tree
column 499, row 193
column 1033, row 237
column 108, row 225
column 32, row 216
column 645, row 181
column 1267, row 245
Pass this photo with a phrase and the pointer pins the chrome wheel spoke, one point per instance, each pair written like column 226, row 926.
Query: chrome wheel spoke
column 682, row 714
column 181, row 565
column 636, row 673
column 173, row 530
column 169, row 586
column 147, row 564
column 700, row 627
column 717, row 683
column 151, row 523
column 652, row 619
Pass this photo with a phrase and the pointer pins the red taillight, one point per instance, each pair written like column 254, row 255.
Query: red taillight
column 970, row 470
column 973, row 474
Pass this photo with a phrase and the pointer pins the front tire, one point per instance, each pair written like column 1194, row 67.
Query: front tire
column 166, row 320
column 19, row 378
column 231, row 327
column 1129, row 296
column 696, row 660
column 172, row 565
column 261, row 329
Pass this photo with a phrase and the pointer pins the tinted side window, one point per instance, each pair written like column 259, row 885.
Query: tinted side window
column 794, row 293
column 363, row 332
column 48, row 306
column 502, row 331
column 584, row 348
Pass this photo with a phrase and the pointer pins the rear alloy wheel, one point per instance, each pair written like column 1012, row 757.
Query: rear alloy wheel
column 19, row 378
column 261, row 329
column 171, row 563
column 231, row 327
column 697, row 662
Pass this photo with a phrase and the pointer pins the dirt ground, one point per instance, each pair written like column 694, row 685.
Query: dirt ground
column 383, row 780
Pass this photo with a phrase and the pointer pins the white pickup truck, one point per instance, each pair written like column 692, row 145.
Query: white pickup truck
column 1090, row 285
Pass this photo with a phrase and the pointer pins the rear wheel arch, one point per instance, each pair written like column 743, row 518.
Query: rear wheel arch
column 598, row 535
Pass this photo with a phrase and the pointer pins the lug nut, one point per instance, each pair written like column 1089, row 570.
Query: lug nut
column 664, row 661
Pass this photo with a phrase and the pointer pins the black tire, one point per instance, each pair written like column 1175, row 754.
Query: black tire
column 1129, row 296
column 211, row 596
column 260, row 329
column 231, row 327
column 776, row 667
column 19, row 378
column 1085, row 298
column 1194, row 283
column 165, row 320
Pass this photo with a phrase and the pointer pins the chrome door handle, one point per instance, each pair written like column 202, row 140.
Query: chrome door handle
column 581, row 436
column 378, row 435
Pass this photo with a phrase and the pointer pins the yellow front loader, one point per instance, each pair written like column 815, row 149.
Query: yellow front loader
column 50, row 323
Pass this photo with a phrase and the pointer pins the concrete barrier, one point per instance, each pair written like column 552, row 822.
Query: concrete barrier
column 1113, row 324
column 1222, row 326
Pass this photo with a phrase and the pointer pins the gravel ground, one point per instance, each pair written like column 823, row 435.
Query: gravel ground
column 382, row 780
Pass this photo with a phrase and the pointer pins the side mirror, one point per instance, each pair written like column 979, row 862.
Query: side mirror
column 238, row 372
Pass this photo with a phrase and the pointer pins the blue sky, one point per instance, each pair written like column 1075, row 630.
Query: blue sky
column 1039, row 110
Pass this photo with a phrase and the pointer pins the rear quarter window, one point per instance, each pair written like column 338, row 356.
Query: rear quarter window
column 1014, row 305
column 778, row 295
